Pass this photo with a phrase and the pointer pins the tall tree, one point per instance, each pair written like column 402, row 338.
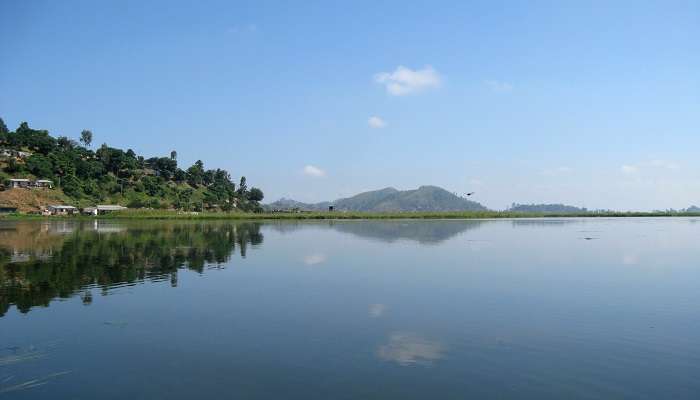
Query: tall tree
column 242, row 187
column 86, row 137
column 195, row 173
column 3, row 131
column 3, row 128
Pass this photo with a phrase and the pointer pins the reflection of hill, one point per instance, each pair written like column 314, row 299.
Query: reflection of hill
column 24, row 241
column 543, row 222
column 421, row 231
column 88, row 257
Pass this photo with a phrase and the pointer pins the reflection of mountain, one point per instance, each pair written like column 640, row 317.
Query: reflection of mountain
column 35, row 271
column 421, row 231
column 518, row 222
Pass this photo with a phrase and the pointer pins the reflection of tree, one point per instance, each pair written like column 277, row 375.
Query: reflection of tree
column 421, row 231
column 88, row 258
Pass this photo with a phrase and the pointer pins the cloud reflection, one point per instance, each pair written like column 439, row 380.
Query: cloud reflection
column 376, row 310
column 315, row 259
column 407, row 349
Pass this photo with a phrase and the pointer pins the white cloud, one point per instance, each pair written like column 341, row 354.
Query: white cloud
column 649, row 165
column 316, row 172
column 315, row 259
column 376, row 122
column 499, row 86
column 630, row 259
column 629, row 169
column 664, row 164
column 405, row 81
column 557, row 171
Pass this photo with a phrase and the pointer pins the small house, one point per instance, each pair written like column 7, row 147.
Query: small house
column 20, row 183
column 107, row 208
column 61, row 210
column 90, row 210
column 14, row 153
column 43, row 184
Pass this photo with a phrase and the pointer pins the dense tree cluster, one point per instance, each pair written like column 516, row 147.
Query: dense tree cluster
column 545, row 208
column 109, row 174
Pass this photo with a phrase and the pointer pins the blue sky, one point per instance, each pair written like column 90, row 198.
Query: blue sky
column 594, row 104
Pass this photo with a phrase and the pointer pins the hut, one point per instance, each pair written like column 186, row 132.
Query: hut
column 43, row 184
column 107, row 208
column 61, row 210
column 20, row 183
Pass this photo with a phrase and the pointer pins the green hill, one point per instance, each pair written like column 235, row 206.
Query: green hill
column 110, row 175
column 425, row 198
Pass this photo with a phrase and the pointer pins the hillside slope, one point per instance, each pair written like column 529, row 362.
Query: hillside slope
column 425, row 198
column 27, row 200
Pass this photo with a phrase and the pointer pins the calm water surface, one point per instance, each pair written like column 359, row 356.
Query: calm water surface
column 523, row 309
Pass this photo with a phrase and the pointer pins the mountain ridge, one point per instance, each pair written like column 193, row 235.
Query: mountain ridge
column 389, row 199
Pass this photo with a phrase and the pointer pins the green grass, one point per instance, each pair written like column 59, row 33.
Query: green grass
column 168, row 215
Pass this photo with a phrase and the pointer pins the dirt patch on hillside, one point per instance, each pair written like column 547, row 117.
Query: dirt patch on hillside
column 27, row 200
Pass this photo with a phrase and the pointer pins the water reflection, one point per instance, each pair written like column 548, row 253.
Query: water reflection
column 377, row 310
column 315, row 259
column 421, row 231
column 543, row 222
column 407, row 348
column 41, row 262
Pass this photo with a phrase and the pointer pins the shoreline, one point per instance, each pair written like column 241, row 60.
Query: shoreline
column 339, row 215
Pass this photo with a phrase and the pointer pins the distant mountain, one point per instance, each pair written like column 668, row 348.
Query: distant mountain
column 425, row 198
column 693, row 209
column 289, row 204
column 546, row 208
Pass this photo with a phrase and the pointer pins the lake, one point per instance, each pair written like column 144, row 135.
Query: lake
column 406, row 309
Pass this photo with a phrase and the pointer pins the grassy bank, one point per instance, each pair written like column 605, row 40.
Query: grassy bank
column 168, row 215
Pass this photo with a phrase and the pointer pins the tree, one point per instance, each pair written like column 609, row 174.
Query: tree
column 242, row 187
column 71, row 186
column 86, row 137
column 173, row 155
column 255, row 194
column 3, row 129
column 179, row 176
column 39, row 165
column 65, row 143
column 195, row 173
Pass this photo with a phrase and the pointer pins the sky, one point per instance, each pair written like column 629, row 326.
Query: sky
column 594, row 104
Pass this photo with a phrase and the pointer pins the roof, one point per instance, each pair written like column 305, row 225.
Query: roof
column 45, row 180
column 19, row 180
column 110, row 207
